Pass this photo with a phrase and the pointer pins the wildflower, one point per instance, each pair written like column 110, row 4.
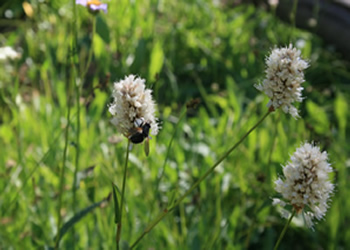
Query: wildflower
column 305, row 185
column 132, row 106
column 284, row 76
column 8, row 53
column 273, row 3
column 93, row 5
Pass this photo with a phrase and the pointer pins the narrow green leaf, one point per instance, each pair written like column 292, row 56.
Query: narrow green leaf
column 99, row 46
column 341, row 112
column 232, row 91
column 102, row 29
column 76, row 218
column 116, row 204
column 172, row 198
column 318, row 117
column 156, row 63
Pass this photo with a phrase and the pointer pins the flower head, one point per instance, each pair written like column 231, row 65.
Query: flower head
column 284, row 76
column 93, row 5
column 306, row 184
column 273, row 3
column 132, row 105
column 8, row 53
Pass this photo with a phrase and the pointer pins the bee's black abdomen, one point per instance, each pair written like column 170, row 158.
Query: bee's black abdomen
column 145, row 129
column 141, row 133
column 137, row 138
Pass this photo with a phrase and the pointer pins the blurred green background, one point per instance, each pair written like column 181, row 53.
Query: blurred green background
column 211, row 50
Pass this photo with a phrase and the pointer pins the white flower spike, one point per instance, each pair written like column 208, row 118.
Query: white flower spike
column 284, row 76
column 133, row 104
column 8, row 53
column 306, row 184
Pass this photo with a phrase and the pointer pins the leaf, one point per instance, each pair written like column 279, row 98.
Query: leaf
column 76, row 218
column 318, row 116
column 116, row 204
column 341, row 112
column 102, row 29
column 156, row 61
column 98, row 46
column 232, row 91
column 172, row 198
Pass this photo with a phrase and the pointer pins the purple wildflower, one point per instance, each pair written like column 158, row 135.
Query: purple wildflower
column 93, row 5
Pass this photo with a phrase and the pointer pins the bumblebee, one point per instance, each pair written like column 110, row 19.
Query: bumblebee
column 139, row 133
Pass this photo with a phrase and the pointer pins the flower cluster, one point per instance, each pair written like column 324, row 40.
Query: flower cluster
column 306, row 184
column 8, row 53
column 132, row 103
column 284, row 76
column 93, row 5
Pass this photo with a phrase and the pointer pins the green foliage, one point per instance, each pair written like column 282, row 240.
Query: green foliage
column 77, row 217
column 318, row 117
column 116, row 204
column 185, row 49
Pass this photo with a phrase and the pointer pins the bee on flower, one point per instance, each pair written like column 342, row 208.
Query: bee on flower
column 305, row 185
column 133, row 110
column 284, row 76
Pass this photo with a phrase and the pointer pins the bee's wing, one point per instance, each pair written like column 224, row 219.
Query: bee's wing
column 146, row 146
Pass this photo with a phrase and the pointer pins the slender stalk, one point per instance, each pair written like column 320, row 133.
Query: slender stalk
column 156, row 190
column 293, row 18
column 91, row 50
column 168, row 149
column 196, row 184
column 272, row 148
column 119, row 226
column 62, row 172
column 284, row 230
column 77, row 97
column 77, row 92
column 77, row 155
column 72, row 83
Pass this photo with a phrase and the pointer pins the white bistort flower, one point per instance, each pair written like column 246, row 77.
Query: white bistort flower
column 284, row 76
column 133, row 106
column 8, row 53
column 306, row 184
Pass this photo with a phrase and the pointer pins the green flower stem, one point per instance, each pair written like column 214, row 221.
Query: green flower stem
column 77, row 92
column 77, row 142
column 62, row 172
column 77, row 156
column 119, row 226
column 196, row 184
column 91, row 50
column 156, row 190
column 293, row 18
column 272, row 148
column 169, row 147
column 284, row 230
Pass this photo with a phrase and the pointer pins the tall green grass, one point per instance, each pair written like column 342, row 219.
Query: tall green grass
column 184, row 49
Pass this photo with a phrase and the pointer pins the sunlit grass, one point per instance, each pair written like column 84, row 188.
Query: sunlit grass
column 198, row 50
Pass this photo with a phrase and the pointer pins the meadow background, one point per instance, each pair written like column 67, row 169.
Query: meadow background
column 210, row 50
